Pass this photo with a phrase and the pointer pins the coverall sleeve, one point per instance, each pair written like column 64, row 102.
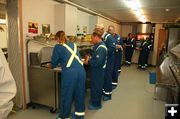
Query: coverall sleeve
column 99, row 58
column 111, row 44
column 121, row 42
column 56, row 56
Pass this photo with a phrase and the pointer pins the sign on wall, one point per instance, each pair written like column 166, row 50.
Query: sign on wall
column 32, row 27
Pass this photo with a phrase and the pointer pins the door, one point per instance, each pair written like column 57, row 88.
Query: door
column 161, row 42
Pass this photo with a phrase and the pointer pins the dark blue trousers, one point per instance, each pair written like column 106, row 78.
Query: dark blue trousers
column 97, row 81
column 128, row 54
column 117, row 66
column 147, row 56
column 107, row 88
column 142, row 58
column 72, row 89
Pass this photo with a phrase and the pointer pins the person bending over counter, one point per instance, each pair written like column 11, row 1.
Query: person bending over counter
column 98, row 65
column 73, row 77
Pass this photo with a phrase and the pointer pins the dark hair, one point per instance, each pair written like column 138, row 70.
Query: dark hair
column 98, row 32
column 129, row 34
column 62, row 37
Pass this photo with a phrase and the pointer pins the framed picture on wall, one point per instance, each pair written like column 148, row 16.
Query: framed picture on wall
column 32, row 27
column 45, row 28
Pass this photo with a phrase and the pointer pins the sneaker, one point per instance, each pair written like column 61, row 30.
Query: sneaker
column 113, row 87
column 73, row 116
column 91, row 107
column 106, row 98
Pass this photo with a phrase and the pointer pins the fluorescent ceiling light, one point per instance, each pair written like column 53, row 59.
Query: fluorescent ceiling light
column 132, row 4
column 2, row 21
column 138, row 13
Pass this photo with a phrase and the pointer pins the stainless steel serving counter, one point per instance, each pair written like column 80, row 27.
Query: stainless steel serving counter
column 168, row 76
column 44, row 85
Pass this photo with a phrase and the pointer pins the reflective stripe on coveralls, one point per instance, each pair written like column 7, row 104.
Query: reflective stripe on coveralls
column 106, row 50
column 62, row 118
column 106, row 36
column 107, row 93
column 73, row 55
column 80, row 113
column 132, row 41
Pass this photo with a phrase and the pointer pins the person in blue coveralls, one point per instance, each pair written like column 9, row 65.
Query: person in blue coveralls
column 98, row 64
column 117, row 61
column 130, row 46
column 73, row 77
column 111, row 46
column 142, row 55
column 146, row 47
column 149, row 48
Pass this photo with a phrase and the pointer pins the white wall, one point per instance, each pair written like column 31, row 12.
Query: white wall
column 39, row 11
column 83, row 20
column 70, row 20
column 106, row 23
column 59, row 21
column 3, row 36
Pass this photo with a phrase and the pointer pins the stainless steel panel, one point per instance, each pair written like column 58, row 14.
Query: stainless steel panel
column 43, row 86
column 174, row 37
column 144, row 28
column 14, row 50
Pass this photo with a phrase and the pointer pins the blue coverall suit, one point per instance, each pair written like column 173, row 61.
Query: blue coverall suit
column 98, row 65
column 73, row 78
column 117, row 61
column 111, row 46
column 130, row 42
column 142, row 55
column 149, row 48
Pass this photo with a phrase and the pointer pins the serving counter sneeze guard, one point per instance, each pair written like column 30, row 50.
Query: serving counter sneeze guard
column 169, row 76
column 43, row 82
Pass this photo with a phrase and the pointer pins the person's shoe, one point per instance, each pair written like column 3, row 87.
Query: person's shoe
column 106, row 98
column 113, row 87
column 91, row 107
column 73, row 116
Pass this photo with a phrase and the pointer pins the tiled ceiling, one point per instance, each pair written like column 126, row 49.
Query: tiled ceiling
column 153, row 10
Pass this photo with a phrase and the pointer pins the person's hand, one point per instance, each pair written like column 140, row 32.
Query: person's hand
column 119, row 47
column 48, row 65
column 87, row 59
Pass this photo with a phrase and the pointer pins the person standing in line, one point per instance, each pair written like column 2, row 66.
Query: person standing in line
column 142, row 55
column 73, row 77
column 149, row 48
column 98, row 65
column 130, row 46
column 111, row 46
column 118, row 59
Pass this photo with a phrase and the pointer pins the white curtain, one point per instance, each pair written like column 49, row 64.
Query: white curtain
column 7, row 87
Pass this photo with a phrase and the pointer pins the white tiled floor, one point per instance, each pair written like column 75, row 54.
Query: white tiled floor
column 132, row 99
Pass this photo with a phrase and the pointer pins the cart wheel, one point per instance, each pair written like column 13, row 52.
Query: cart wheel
column 53, row 110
